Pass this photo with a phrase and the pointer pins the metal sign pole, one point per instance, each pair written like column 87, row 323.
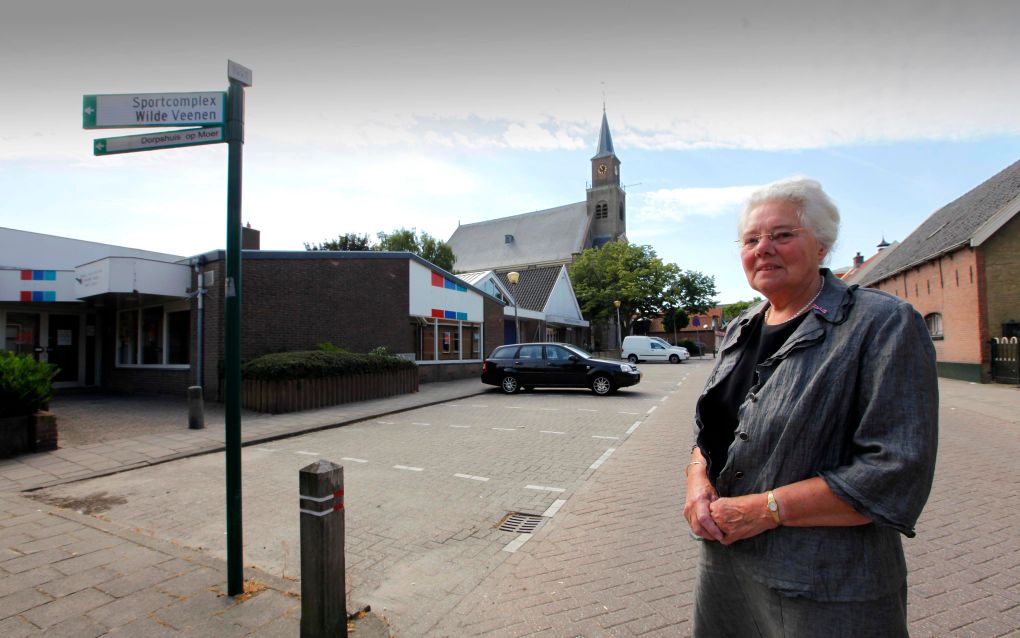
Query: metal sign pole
column 235, row 148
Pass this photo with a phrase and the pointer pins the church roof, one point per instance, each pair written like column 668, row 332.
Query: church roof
column 605, row 140
column 963, row 221
column 541, row 237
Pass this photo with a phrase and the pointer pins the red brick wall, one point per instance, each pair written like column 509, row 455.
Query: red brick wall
column 1002, row 276
column 947, row 285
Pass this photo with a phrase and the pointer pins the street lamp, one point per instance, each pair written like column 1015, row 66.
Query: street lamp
column 619, row 337
column 513, row 277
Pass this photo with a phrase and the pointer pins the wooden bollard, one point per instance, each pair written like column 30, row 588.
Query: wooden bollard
column 323, row 566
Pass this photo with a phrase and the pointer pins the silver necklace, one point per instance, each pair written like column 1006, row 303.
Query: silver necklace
column 802, row 310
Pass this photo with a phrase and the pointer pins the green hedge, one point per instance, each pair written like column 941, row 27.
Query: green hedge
column 317, row 364
column 26, row 385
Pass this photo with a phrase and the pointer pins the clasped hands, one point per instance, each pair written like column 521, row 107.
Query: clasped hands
column 726, row 520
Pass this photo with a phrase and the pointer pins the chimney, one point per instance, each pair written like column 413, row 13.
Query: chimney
column 250, row 238
column 858, row 260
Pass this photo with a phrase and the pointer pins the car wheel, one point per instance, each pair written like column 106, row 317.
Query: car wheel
column 602, row 385
column 673, row 358
column 632, row 358
column 509, row 384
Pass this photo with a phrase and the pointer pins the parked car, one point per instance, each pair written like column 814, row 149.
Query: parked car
column 640, row 348
column 555, row 365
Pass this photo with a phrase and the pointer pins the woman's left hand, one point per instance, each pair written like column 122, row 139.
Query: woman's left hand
column 741, row 517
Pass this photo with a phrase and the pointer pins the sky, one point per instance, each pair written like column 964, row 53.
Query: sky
column 372, row 116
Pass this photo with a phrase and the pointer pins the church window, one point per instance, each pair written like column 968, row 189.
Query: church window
column 601, row 210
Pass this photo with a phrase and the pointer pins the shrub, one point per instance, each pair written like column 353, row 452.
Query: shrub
column 26, row 385
column 692, row 347
column 316, row 364
column 328, row 346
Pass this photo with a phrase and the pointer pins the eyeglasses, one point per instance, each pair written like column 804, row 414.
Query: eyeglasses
column 782, row 236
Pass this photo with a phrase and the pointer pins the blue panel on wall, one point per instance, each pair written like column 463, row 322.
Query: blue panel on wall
column 450, row 314
column 462, row 316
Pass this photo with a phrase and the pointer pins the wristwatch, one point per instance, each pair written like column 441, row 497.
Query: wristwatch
column 773, row 507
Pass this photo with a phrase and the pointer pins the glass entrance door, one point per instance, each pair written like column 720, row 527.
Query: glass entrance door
column 64, row 345
column 21, row 334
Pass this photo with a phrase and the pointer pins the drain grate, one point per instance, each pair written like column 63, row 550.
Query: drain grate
column 519, row 523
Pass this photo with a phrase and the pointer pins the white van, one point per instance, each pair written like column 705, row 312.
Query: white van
column 639, row 348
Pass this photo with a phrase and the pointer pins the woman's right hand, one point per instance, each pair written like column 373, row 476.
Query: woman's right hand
column 700, row 495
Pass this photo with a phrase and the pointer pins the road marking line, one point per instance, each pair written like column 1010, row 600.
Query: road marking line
column 550, row 409
column 602, row 459
column 651, row 409
column 613, row 438
column 543, row 488
column 307, row 453
column 471, row 477
column 420, row 423
column 555, row 507
column 506, row 429
column 352, row 459
column 663, row 398
column 463, row 427
column 478, row 405
column 385, row 422
column 266, row 449
column 514, row 407
column 586, row 410
column 408, row 468
column 631, row 413
column 516, row 543
column 550, row 432
column 631, row 429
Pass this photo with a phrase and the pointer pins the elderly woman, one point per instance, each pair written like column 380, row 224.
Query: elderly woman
column 815, row 440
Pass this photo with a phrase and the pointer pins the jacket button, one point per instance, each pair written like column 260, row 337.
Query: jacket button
column 743, row 436
column 753, row 397
column 738, row 475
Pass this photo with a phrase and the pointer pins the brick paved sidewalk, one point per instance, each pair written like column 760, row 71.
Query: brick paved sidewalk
column 114, row 444
column 617, row 559
column 63, row 573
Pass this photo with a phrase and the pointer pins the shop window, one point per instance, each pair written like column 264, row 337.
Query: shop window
column 444, row 340
column 154, row 336
column 934, row 323
column 127, row 337
column 178, row 331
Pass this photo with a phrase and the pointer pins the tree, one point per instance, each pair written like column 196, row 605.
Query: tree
column 427, row 247
column 691, row 291
column 347, row 241
column 631, row 274
column 730, row 311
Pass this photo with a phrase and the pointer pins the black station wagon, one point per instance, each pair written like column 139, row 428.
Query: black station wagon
column 555, row 365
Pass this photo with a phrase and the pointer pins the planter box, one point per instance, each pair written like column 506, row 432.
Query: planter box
column 277, row 397
column 30, row 433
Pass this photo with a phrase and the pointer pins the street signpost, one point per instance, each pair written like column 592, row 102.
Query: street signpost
column 220, row 118
column 148, row 110
column 155, row 141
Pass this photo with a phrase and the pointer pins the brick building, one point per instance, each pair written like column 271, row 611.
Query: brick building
column 961, row 270
column 132, row 320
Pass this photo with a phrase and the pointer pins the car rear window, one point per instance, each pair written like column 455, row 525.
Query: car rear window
column 503, row 352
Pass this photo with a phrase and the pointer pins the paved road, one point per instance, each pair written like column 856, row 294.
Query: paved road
column 613, row 557
column 425, row 489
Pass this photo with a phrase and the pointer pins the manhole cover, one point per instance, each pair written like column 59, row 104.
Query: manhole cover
column 519, row 523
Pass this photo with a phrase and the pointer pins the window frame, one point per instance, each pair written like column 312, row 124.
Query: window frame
column 933, row 321
column 163, row 339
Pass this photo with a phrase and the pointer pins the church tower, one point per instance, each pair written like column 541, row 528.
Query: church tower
column 607, row 201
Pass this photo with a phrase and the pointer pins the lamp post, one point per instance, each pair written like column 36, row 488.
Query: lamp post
column 513, row 277
column 619, row 337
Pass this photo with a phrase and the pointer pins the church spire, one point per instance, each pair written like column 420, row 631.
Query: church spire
column 605, row 139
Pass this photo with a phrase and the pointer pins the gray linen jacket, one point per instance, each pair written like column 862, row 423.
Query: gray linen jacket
column 852, row 396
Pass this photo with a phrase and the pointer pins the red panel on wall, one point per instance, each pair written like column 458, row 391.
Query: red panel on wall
column 26, row 275
column 437, row 279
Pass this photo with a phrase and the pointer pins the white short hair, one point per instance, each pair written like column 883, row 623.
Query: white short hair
column 817, row 212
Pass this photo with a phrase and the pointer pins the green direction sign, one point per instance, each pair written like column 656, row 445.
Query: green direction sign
column 153, row 109
column 155, row 141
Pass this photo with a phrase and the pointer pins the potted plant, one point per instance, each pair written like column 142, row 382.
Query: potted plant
column 26, row 387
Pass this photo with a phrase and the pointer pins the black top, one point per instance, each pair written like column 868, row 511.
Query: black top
column 720, row 406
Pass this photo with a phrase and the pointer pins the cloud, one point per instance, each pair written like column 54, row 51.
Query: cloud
column 678, row 204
